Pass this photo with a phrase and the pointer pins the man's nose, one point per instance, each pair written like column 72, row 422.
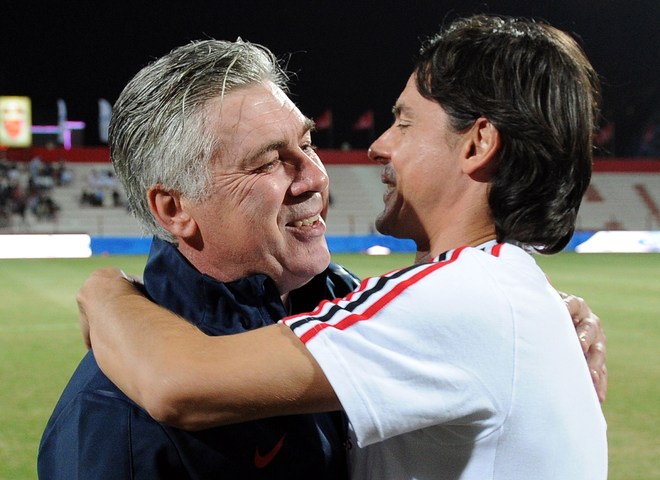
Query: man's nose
column 379, row 151
column 311, row 177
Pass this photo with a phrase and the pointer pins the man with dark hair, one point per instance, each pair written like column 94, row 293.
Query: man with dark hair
column 462, row 366
column 539, row 91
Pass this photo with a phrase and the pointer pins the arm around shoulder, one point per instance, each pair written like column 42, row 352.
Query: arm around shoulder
column 190, row 380
column 222, row 380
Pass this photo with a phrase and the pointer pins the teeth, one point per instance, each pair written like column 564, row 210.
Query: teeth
column 308, row 221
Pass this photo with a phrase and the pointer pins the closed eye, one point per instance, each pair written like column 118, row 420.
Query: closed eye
column 267, row 167
column 308, row 147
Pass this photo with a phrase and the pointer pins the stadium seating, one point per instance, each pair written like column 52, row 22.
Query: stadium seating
column 357, row 196
column 76, row 218
column 615, row 201
column 621, row 201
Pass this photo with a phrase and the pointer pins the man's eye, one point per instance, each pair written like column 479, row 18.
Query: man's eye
column 308, row 147
column 402, row 126
column 267, row 167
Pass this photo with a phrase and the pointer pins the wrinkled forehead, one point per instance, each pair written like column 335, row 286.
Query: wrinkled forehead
column 249, row 116
column 251, row 105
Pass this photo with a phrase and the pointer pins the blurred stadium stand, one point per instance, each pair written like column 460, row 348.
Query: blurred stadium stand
column 624, row 195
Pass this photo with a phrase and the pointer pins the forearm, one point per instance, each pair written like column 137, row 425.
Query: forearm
column 130, row 337
column 185, row 378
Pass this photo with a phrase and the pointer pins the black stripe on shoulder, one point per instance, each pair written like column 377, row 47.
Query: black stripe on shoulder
column 364, row 297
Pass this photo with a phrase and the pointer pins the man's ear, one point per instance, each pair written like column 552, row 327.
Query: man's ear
column 482, row 147
column 166, row 206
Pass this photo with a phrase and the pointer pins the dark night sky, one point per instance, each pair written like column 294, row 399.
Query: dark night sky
column 348, row 56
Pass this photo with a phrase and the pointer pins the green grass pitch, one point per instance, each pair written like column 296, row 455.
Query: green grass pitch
column 40, row 345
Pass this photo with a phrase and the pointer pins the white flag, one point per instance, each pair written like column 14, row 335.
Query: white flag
column 61, row 120
column 105, row 112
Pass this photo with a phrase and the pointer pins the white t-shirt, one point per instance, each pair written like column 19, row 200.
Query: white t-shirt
column 467, row 367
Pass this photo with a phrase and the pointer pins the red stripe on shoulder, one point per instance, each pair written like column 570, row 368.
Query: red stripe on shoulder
column 382, row 301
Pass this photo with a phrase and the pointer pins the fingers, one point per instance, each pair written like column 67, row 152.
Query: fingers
column 596, row 353
column 592, row 340
column 587, row 324
column 577, row 307
column 593, row 345
column 590, row 332
column 84, row 327
column 600, row 377
column 92, row 291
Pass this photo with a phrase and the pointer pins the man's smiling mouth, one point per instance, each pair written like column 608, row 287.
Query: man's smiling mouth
column 306, row 222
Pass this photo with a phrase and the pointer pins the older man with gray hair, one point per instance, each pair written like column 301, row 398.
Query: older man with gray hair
column 219, row 166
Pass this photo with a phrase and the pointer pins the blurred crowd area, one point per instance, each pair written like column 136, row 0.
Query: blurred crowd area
column 28, row 190
column 25, row 190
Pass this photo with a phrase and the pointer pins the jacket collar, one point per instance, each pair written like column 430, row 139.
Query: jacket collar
column 214, row 306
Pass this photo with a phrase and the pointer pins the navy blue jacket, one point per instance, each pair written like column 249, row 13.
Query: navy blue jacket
column 96, row 432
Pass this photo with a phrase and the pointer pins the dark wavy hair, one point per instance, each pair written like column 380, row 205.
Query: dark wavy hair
column 534, row 83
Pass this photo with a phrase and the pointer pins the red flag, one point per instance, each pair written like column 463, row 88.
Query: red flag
column 365, row 121
column 605, row 135
column 649, row 133
column 324, row 121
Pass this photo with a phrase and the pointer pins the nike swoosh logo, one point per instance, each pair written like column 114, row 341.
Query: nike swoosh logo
column 262, row 461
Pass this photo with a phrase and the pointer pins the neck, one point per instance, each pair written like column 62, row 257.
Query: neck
column 471, row 227
column 232, row 270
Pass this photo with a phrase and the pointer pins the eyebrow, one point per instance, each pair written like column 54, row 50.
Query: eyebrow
column 400, row 108
column 307, row 126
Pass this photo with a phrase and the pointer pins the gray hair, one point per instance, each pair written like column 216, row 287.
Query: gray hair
column 158, row 131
